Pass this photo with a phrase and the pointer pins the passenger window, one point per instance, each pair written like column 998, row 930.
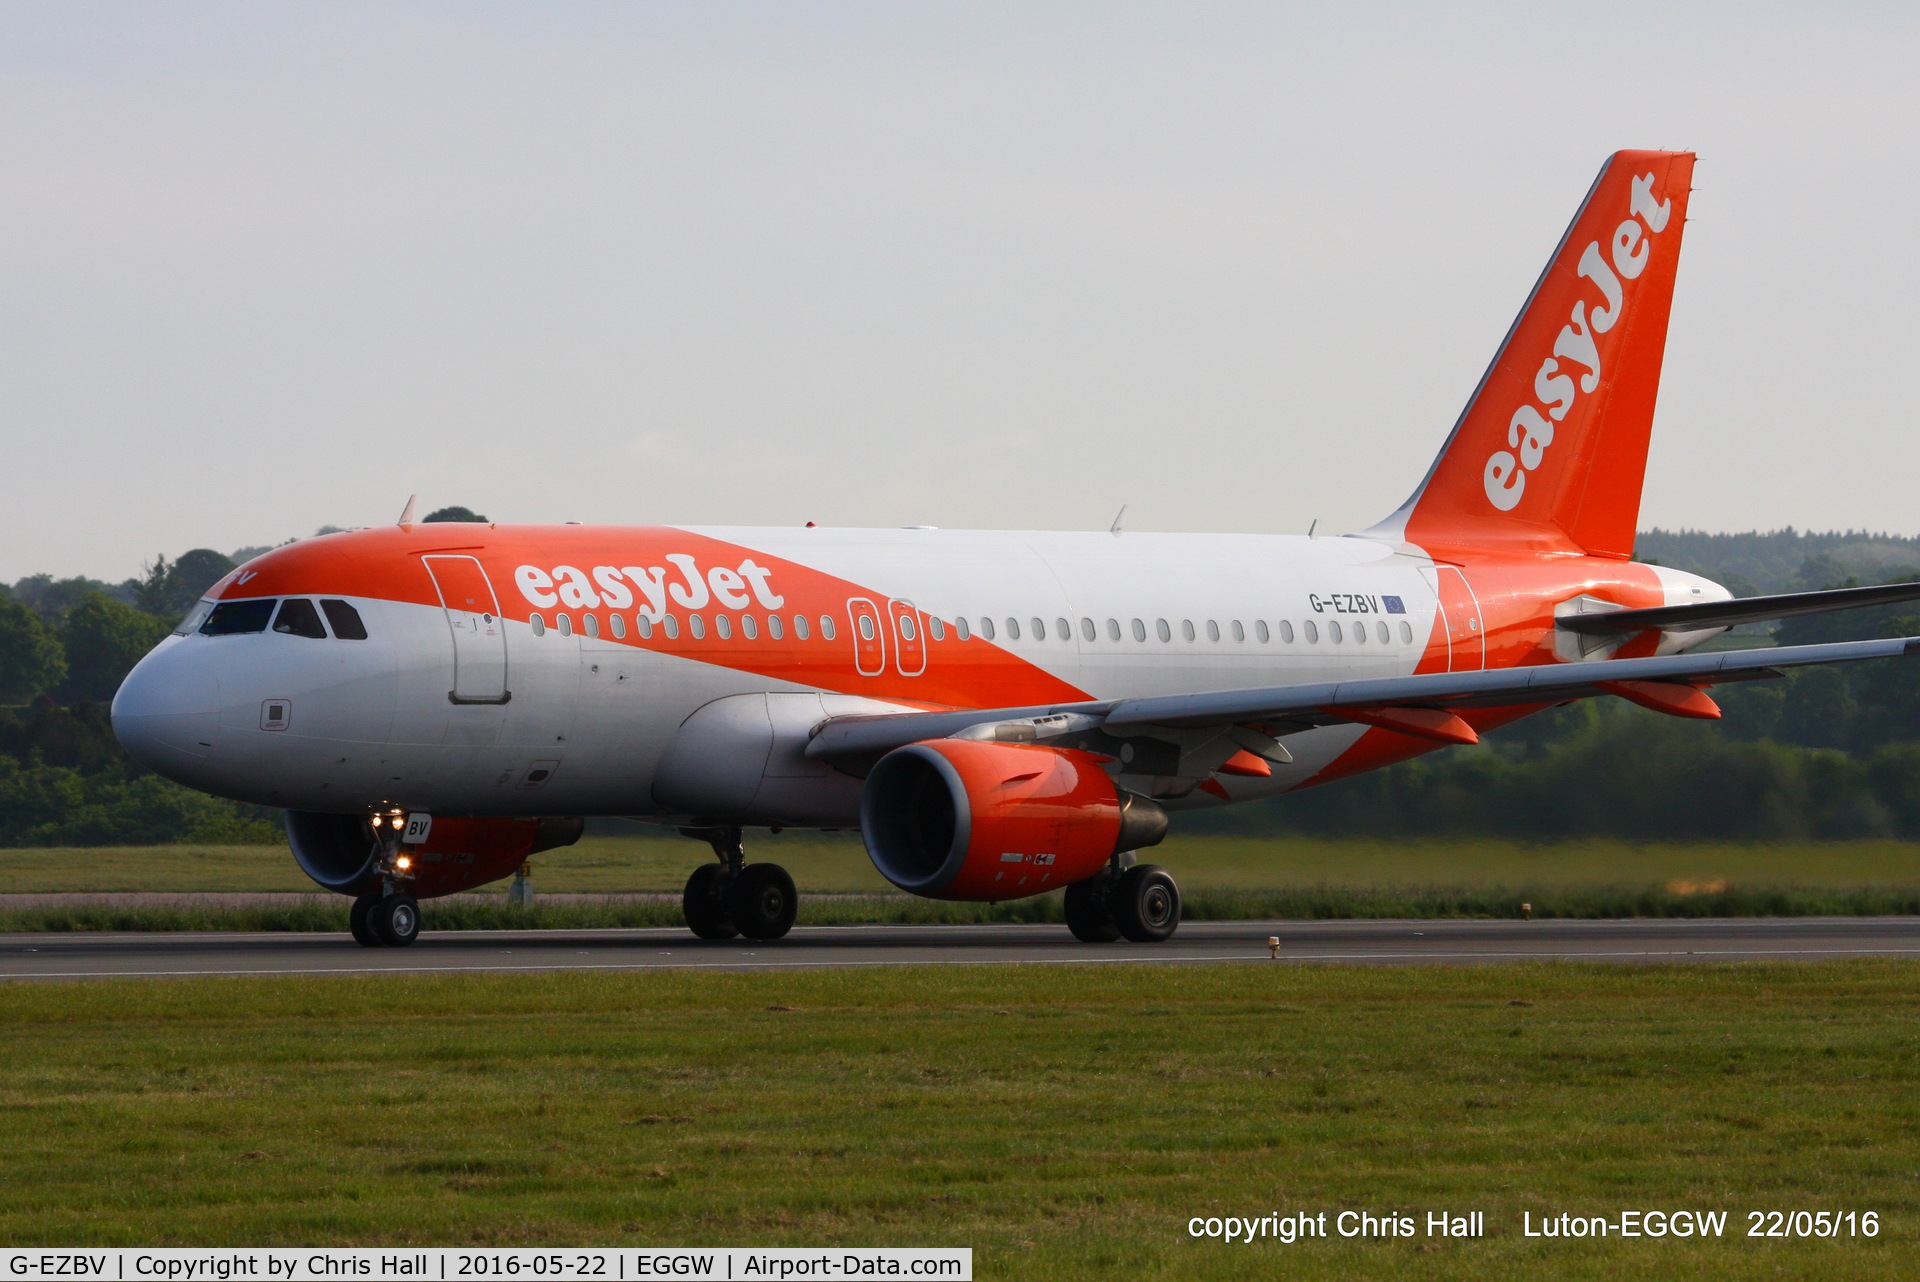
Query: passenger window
column 826, row 627
column 960, row 629
column 1312, row 633
column 986, row 628
column 937, row 626
column 1040, row 630
column 800, row 626
column 1213, row 630
column 1089, row 629
column 298, row 618
column 231, row 618
column 1380, row 632
column 1239, row 633
column 1359, row 634
column 345, row 620
column 1186, row 629
column 618, row 624
column 866, row 627
column 1160, row 626
column 906, row 627
column 195, row 617
column 748, row 628
column 672, row 625
column 1013, row 629
column 722, row 627
column 697, row 626
column 774, row 627
column 644, row 626
column 538, row 624
column 566, row 624
column 590, row 624
column 1333, row 631
column 1113, row 629
column 1063, row 629
column 1406, row 634
column 1139, row 630
column 1260, row 632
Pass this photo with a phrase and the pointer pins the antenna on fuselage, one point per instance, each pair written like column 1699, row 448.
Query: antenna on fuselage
column 406, row 513
column 1117, row 529
column 1313, row 527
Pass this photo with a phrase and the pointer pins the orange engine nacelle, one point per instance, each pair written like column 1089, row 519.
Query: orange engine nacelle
column 341, row 853
column 967, row 819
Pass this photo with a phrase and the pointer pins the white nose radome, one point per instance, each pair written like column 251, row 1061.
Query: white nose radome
column 167, row 711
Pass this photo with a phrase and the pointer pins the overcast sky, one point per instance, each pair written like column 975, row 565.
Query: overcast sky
column 273, row 266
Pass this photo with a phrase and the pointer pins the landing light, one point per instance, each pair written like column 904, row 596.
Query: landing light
column 403, row 863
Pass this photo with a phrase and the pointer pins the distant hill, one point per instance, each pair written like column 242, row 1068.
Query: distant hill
column 1758, row 563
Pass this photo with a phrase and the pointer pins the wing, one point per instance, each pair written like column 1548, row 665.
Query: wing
column 1425, row 706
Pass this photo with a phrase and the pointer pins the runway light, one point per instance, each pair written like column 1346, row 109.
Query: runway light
column 1273, row 947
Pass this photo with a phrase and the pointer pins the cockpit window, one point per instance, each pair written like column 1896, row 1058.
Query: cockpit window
column 345, row 620
column 195, row 617
column 298, row 618
column 230, row 618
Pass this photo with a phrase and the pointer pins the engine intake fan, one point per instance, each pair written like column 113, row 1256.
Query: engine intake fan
column 964, row 819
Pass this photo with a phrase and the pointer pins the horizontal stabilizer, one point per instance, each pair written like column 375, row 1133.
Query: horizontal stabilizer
column 1752, row 609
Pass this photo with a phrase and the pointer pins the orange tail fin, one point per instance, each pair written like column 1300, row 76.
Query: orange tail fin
column 1551, row 450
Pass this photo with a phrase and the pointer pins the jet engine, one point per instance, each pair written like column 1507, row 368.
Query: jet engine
column 966, row 819
column 342, row 853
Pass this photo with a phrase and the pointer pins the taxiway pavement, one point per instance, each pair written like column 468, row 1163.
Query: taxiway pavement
column 1407, row 943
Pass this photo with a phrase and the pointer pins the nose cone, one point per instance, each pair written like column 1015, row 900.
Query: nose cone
column 168, row 709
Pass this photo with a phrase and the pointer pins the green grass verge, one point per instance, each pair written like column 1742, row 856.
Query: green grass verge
column 1064, row 1122
column 838, row 864
column 492, row 912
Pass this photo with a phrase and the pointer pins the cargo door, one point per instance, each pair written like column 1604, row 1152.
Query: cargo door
column 473, row 617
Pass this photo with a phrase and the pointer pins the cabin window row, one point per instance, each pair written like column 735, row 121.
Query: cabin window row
column 724, row 626
column 750, row 627
column 1309, row 631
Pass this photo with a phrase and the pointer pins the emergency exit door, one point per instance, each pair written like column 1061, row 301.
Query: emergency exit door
column 479, row 637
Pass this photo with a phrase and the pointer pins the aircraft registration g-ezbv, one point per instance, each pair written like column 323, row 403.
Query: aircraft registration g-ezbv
column 1001, row 714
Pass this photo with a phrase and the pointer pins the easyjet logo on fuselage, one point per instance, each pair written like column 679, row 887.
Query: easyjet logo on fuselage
column 685, row 585
column 1530, row 432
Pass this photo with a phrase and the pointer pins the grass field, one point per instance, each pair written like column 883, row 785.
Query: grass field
column 1223, row 878
column 1064, row 1122
column 838, row 864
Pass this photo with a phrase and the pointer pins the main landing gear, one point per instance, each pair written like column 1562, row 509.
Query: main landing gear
column 733, row 897
column 1140, row 903
column 390, row 920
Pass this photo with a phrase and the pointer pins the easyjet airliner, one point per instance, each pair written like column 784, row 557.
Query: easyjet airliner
column 1000, row 713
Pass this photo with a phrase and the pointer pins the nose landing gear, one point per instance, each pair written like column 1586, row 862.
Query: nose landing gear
column 389, row 917
column 733, row 897
column 392, row 920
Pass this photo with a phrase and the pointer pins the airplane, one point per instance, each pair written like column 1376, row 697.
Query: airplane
column 1000, row 713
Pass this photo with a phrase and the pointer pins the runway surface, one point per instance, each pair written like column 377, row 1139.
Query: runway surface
column 1408, row 943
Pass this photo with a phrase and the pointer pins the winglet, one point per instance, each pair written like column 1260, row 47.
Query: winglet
column 406, row 513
